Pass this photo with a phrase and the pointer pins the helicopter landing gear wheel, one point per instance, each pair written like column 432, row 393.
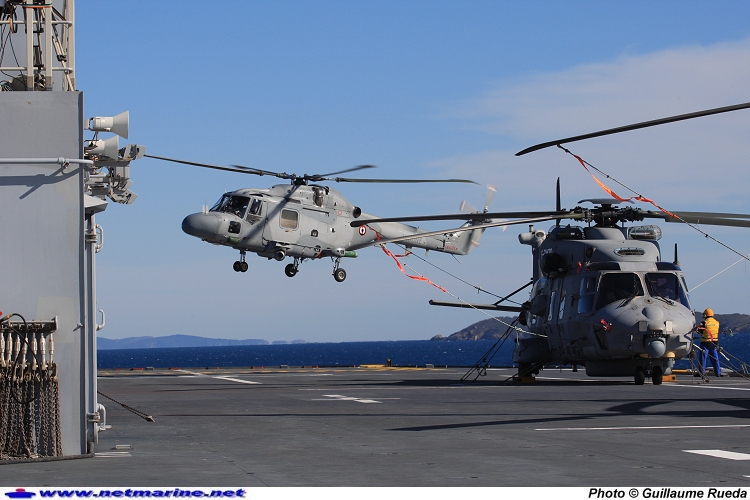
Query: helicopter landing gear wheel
column 338, row 273
column 290, row 270
column 657, row 375
column 240, row 266
column 640, row 375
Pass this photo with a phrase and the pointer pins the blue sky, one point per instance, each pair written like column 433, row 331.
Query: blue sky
column 420, row 89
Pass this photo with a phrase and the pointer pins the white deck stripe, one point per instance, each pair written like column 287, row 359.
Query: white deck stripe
column 737, row 426
column 231, row 379
column 731, row 455
column 339, row 397
column 709, row 386
column 112, row 454
column 220, row 377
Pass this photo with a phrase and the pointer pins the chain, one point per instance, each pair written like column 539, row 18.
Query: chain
column 29, row 399
column 15, row 418
column 45, row 444
column 4, row 401
column 28, row 423
column 56, row 410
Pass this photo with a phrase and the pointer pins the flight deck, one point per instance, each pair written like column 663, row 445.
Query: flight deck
column 408, row 427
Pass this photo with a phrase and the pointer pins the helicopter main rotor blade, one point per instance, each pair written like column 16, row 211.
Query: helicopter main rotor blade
column 396, row 181
column 233, row 168
column 466, row 305
column 353, row 169
column 473, row 216
column 720, row 215
column 704, row 218
column 635, row 126
column 257, row 171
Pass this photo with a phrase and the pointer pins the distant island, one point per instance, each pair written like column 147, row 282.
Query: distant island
column 168, row 341
column 488, row 329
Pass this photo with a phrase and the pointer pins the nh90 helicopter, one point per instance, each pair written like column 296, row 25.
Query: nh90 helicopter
column 304, row 220
column 602, row 295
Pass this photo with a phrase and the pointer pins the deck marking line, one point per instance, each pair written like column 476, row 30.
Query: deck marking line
column 113, row 454
column 231, row 379
column 339, row 397
column 728, row 426
column 709, row 386
column 731, row 455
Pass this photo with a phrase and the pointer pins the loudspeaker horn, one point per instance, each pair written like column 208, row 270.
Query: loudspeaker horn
column 116, row 124
column 107, row 147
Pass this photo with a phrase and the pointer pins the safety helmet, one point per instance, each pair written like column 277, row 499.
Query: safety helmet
column 708, row 312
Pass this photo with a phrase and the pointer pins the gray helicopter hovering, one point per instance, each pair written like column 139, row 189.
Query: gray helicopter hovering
column 305, row 220
column 602, row 295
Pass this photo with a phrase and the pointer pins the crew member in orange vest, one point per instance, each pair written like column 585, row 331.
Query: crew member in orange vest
column 709, row 331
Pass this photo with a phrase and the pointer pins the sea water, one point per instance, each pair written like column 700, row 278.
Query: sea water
column 333, row 354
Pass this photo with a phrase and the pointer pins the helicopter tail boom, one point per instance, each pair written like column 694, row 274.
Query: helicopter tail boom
column 459, row 241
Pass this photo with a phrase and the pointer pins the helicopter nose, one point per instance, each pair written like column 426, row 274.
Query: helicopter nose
column 200, row 225
column 655, row 317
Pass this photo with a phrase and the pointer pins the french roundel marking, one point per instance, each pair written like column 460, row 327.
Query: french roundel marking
column 362, row 230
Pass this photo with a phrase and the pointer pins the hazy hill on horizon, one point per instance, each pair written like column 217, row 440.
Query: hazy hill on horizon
column 169, row 341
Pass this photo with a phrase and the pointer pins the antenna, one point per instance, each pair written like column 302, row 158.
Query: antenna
column 45, row 46
column 558, row 204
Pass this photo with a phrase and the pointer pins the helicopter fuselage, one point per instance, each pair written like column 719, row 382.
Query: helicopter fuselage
column 603, row 298
column 304, row 222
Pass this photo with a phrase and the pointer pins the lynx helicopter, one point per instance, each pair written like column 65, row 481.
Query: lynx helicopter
column 305, row 220
column 601, row 295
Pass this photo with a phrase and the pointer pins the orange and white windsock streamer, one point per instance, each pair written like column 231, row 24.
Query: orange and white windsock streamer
column 401, row 267
column 618, row 197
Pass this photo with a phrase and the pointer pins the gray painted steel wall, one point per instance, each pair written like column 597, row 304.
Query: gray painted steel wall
column 41, row 235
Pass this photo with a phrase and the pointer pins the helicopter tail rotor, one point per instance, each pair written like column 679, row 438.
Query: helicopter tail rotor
column 491, row 190
column 468, row 208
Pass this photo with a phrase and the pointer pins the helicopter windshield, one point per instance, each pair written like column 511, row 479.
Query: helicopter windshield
column 618, row 286
column 231, row 204
column 667, row 286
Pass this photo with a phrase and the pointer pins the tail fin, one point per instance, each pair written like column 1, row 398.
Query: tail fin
column 468, row 240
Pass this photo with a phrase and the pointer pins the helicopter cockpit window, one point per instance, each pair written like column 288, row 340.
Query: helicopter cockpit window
column 228, row 204
column 255, row 207
column 618, row 286
column 667, row 286
column 224, row 199
column 586, row 294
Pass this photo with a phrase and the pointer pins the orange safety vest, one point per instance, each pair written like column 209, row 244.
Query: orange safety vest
column 709, row 330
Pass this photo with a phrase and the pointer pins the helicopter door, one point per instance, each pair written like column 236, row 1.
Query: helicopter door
column 283, row 224
column 255, row 217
